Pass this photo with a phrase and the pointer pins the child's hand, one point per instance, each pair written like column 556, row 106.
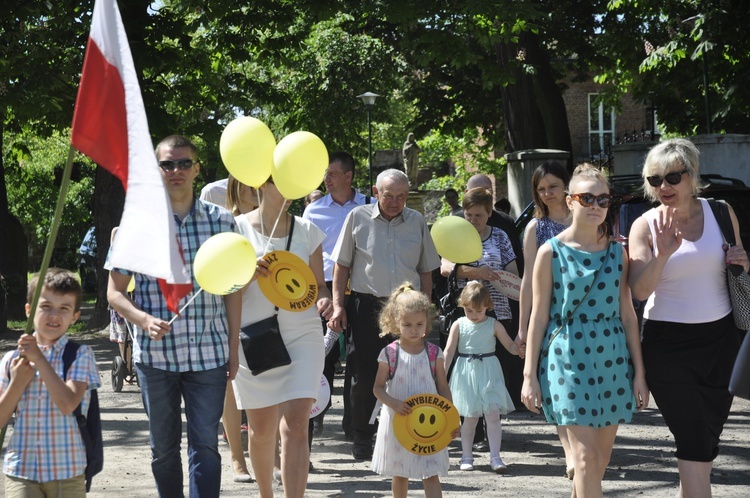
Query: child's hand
column 456, row 432
column 513, row 349
column 21, row 371
column 401, row 408
column 28, row 348
column 520, row 341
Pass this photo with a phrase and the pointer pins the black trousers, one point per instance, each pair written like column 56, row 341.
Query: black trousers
column 362, row 350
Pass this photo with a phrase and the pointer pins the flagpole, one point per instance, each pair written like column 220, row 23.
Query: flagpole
column 52, row 238
column 47, row 254
column 195, row 294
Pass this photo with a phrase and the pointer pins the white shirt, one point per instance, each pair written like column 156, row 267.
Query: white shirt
column 329, row 216
column 693, row 285
column 215, row 192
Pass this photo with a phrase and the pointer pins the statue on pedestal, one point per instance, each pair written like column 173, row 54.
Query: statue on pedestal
column 411, row 161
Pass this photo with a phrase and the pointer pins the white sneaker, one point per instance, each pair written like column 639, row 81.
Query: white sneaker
column 466, row 464
column 497, row 465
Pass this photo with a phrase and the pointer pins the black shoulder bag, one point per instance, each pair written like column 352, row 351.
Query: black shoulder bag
column 262, row 342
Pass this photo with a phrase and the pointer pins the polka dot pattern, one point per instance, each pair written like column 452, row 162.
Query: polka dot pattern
column 586, row 376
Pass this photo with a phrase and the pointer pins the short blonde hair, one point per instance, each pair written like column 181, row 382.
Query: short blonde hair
column 476, row 294
column 405, row 299
column 662, row 157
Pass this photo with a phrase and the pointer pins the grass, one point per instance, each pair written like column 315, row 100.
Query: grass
column 76, row 328
column 89, row 300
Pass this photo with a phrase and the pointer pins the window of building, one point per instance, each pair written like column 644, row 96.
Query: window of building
column 601, row 126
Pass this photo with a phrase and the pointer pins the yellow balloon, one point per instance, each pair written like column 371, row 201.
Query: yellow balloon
column 456, row 239
column 246, row 148
column 300, row 161
column 224, row 263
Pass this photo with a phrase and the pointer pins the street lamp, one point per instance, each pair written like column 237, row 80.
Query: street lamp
column 368, row 99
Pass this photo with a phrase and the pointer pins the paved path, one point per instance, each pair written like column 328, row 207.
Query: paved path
column 642, row 463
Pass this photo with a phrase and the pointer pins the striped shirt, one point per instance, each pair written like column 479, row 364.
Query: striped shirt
column 198, row 339
column 46, row 444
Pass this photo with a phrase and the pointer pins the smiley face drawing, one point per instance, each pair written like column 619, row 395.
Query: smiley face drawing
column 427, row 429
column 288, row 282
column 424, row 422
column 291, row 285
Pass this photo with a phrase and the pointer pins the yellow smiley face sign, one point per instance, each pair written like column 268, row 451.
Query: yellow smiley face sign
column 291, row 285
column 427, row 429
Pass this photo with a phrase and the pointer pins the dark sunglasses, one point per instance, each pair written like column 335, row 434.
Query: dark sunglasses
column 671, row 178
column 586, row 200
column 180, row 164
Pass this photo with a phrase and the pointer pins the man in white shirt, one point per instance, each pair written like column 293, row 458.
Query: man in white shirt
column 215, row 192
column 328, row 213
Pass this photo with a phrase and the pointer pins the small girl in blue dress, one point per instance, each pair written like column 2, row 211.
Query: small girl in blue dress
column 477, row 381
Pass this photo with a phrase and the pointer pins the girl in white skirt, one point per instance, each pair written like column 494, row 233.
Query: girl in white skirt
column 408, row 314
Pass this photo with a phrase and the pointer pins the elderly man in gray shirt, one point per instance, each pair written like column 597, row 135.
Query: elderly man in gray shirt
column 380, row 247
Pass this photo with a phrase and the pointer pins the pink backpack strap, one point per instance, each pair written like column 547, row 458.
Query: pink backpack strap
column 391, row 351
column 432, row 354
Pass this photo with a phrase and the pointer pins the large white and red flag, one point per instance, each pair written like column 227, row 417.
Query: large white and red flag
column 110, row 126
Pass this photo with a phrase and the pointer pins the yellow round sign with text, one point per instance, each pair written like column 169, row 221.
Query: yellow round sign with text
column 428, row 428
column 291, row 285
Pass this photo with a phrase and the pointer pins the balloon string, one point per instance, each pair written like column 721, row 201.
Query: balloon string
column 273, row 230
column 186, row 305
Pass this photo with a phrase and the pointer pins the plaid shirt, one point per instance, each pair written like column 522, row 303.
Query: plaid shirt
column 199, row 338
column 46, row 444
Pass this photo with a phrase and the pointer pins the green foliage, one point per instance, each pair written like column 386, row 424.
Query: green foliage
column 660, row 52
column 33, row 193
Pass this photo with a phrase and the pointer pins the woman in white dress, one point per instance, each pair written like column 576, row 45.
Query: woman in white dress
column 281, row 398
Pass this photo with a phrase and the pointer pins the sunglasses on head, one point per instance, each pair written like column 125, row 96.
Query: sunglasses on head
column 671, row 178
column 180, row 164
column 587, row 200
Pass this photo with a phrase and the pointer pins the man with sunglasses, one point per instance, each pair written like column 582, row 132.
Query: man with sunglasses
column 191, row 359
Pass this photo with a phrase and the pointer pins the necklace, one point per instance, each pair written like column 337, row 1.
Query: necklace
column 273, row 229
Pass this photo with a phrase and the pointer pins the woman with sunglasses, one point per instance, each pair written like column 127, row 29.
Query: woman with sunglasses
column 583, row 364
column 551, row 216
column 678, row 263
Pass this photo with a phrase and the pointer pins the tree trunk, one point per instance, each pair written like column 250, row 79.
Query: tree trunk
column 14, row 256
column 533, row 107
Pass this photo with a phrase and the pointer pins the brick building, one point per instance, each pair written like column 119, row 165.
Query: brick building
column 593, row 128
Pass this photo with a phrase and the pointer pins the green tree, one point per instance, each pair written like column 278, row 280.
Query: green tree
column 661, row 51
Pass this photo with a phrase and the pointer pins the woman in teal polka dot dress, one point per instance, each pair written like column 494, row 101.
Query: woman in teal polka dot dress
column 583, row 365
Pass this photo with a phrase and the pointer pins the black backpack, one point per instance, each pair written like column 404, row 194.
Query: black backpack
column 89, row 425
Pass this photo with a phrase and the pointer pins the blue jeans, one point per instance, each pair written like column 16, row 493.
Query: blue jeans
column 203, row 392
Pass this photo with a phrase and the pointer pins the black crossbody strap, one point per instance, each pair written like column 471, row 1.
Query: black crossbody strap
column 721, row 213
column 566, row 318
column 288, row 245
